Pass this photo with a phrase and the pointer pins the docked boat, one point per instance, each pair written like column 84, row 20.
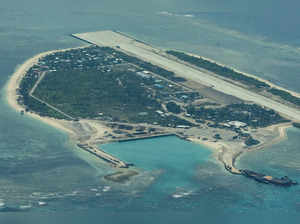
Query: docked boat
column 283, row 181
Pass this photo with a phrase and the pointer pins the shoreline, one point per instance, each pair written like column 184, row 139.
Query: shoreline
column 14, row 82
column 91, row 130
column 272, row 85
column 228, row 156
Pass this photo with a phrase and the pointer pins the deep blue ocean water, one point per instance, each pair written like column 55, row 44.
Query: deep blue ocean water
column 38, row 163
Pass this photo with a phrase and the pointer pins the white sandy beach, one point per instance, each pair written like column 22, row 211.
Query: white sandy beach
column 92, row 130
column 13, row 85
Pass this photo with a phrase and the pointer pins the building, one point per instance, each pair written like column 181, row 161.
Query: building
column 237, row 124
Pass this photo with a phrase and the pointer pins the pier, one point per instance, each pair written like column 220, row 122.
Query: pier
column 262, row 178
column 103, row 155
column 145, row 137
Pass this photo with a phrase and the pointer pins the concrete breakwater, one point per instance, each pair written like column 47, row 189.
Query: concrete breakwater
column 103, row 155
column 145, row 137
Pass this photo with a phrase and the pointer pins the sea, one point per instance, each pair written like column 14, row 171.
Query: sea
column 44, row 178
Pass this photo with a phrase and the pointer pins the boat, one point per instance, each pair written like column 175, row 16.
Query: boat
column 283, row 181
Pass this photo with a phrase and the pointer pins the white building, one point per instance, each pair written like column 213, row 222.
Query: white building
column 237, row 124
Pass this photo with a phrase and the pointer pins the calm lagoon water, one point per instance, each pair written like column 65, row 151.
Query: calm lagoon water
column 38, row 163
column 174, row 161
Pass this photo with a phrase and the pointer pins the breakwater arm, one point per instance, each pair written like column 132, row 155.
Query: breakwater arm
column 103, row 155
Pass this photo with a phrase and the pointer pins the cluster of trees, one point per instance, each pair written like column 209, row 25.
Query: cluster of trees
column 251, row 141
column 296, row 125
column 30, row 103
column 77, row 87
column 234, row 75
column 285, row 95
column 80, row 59
column 173, row 107
column 117, row 94
column 28, row 82
column 218, row 69
column 251, row 114
column 145, row 65
column 86, row 94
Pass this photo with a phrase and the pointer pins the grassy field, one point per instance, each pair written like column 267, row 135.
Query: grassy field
column 86, row 94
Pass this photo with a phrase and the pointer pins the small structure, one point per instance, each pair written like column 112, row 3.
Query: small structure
column 143, row 74
column 159, row 112
column 159, row 86
column 237, row 124
column 183, row 126
column 143, row 113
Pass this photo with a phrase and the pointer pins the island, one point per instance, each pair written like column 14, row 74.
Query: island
column 117, row 88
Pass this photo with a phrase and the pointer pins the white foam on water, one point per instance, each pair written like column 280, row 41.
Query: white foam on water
column 25, row 207
column 2, row 204
column 94, row 189
column 42, row 203
column 177, row 195
column 106, row 188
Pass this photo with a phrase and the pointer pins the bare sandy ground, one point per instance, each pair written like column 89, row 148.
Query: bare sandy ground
column 280, row 132
column 227, row 152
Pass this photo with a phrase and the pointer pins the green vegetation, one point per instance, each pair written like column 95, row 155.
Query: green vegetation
column 219, row 70
column 114, row 96
column 296, row 125
column 285, row 95
column 30, row 103
column 251, row 114
column 173, row 107
column 145, row 65
column 100, row 83
column 105, row 84
column 217, row 136
column 89, row 93
column 251, row 141
column 234, row 75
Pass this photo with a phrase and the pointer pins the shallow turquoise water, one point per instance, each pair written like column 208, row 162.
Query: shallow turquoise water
column 176, row 160
column 38, row 163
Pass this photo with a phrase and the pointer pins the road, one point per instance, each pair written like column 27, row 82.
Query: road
column 150, row 54
column 42, row 101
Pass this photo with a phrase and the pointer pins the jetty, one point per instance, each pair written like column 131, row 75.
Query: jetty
column 135, row 138
column 283, row 181
column 262, row 178
column 104, row 155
